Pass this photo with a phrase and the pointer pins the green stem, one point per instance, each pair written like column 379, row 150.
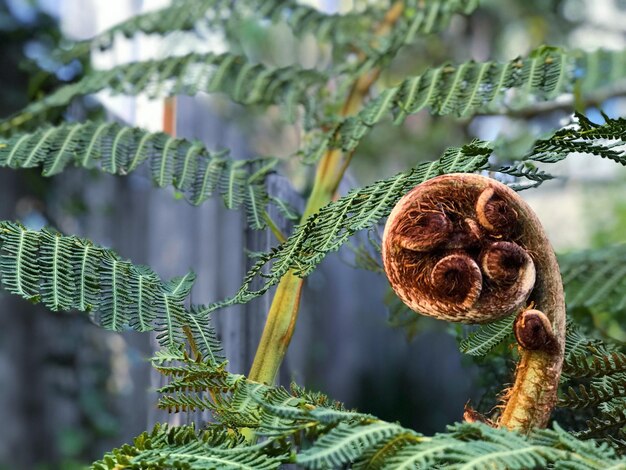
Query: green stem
column 281, row 319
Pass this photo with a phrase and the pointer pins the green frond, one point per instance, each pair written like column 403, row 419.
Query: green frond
column 346, row 443
column 71, row 273
column 347, row 29
column 333, row 225
column 480, row 86
column 188, row 166
column 184, row 447
column 487, row 337
column 595, row 366
column 243, row 82
column 596, row 279
column 478, row 446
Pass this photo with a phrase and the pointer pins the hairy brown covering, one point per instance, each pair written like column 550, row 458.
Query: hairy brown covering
column 466, row 248
column 457, row 252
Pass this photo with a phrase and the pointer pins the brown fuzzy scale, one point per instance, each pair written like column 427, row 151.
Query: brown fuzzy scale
column 466, row 248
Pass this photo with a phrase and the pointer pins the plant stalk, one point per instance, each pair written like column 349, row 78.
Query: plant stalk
column 281, row 319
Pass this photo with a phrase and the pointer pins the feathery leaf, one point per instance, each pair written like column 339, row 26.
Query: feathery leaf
column 186, row 165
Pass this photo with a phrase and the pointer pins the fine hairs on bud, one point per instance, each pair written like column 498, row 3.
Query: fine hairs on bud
column 465, row 248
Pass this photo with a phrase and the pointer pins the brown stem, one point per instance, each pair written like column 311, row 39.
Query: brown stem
column 466, row 248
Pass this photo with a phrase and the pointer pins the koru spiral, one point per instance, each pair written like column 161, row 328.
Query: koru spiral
column 466, row 248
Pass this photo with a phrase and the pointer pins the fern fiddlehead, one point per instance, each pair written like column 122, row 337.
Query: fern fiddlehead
column 466, row 248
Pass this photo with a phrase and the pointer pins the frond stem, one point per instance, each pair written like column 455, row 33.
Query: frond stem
column 281, row 319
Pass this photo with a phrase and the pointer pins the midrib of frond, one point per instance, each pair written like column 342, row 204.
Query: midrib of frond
column 15, row 148
column 114, row 294
column 57, row 163
column 82, row 304
column 32, row 154
column 55, row 273
column 19, row 262
column 94, row 138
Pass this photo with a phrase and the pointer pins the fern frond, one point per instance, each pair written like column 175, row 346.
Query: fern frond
column 113, row 148
column 346, row 443
column 596, row 366
column 333, row 225
column 487, row 337
column 339, row 29
column 184, row 447
column 596, row 392
column 473, row 86
column 67, row 273
column 606, row 424
column 596, row 279
column 232, row 75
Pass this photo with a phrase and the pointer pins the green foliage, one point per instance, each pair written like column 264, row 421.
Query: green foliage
column 307, row 429
column 67, row 273
column 110, row 147
column 350, row 29
column 487, row 337
column 479, row 87
column 184, row 447
column 296, row 426
column 596, row 279
column 242, row 81
column 332, row 226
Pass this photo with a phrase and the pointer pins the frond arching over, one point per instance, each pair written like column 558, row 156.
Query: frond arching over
column 339, row 29
column 67, row 273
column 480, row 86
column 242, row 81
column 187, row 166
column 333, row 225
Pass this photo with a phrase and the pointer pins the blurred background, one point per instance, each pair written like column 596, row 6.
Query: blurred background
column 71, row 391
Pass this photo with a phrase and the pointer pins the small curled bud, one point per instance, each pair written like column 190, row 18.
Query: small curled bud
column 423, row 231
column 457, row 278
column 495, row 214
column 506, row 263
column 533, row 331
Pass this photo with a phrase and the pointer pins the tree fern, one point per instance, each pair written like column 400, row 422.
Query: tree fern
column 67, row 273
column 113, row 148
column 472, row 86
column 242, row 81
